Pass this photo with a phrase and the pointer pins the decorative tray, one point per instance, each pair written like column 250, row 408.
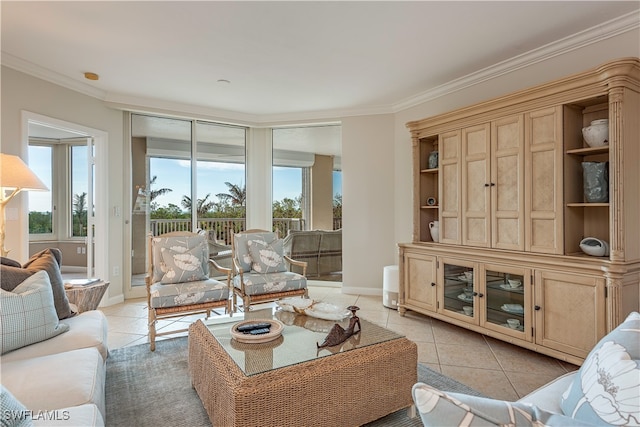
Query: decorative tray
column 274, row 331
column 317, row 309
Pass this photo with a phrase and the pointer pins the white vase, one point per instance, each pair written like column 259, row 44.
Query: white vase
column 434, row 229
column 597, row 134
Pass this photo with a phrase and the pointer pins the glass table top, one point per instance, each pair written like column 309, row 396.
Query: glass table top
column 297, row 344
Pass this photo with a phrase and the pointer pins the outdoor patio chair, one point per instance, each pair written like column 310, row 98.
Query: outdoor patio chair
column 261, row 271
column 178, row 282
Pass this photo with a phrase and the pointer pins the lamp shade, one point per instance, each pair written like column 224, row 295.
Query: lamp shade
column 15, row 174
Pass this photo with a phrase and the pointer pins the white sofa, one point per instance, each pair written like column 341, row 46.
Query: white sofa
column 62, row 379
column 53, row 371
column 604, row 391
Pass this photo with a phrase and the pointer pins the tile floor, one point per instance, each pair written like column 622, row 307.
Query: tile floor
column 496, row 369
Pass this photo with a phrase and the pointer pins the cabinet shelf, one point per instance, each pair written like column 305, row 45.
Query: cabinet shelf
column 434, row 170
column 429, row 207
column 587, row 151
column 587, row 205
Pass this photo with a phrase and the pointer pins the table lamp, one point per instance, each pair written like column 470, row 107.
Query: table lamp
column 15, row 176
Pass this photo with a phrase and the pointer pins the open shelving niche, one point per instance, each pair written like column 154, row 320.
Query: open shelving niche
column 581, row 218
column 428, row 187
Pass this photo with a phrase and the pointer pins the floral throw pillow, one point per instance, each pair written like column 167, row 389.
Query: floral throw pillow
column 266, row 257
column 606, row 389
column 181, row 264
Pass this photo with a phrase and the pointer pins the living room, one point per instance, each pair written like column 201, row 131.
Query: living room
column 376, row 145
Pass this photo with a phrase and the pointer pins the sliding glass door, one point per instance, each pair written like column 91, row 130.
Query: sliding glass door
column 187, row 175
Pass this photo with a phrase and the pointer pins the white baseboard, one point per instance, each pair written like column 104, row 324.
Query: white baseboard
column 353, row 290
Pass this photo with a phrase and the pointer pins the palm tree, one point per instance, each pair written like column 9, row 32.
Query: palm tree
column 202, row 206
column 80, row 214
column 153, row 194
column 237, row 195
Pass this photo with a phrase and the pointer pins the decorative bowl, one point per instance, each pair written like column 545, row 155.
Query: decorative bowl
column 594, row 247
column 597, row 135
column 274, row 331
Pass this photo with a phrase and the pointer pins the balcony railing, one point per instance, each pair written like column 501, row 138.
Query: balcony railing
column 224, row 227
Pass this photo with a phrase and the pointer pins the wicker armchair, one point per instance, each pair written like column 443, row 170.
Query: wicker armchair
column 178, row 282
column 260, row 270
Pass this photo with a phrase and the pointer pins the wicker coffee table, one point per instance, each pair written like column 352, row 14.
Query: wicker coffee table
column 289, row 382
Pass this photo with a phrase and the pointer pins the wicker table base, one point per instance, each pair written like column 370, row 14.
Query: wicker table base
column 349, row 388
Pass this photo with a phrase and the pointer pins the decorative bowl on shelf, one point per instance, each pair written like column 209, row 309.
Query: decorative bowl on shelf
column 597, row 134
column 594, row 247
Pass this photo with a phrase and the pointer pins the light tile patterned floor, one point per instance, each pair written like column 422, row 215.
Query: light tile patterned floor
column 493, row 367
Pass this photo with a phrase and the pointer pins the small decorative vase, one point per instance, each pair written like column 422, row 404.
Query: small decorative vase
column 595, row 177
column 433, row 160
column 434, row 229
column 597, row 134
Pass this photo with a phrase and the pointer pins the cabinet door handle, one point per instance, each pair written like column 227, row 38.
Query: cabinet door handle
column 493, row 184
column 486, row 185
column 537, row 307
column 433, row 284
column 475, row 294
column 480, row 294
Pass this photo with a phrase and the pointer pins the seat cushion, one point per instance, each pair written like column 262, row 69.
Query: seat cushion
column 606, row 389
column 438, row 408
column 28, row 315
column 188, row 293
column 57, row 381
column 260, row 284
column 88, row 329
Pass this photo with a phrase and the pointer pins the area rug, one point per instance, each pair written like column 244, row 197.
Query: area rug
column 153, row 389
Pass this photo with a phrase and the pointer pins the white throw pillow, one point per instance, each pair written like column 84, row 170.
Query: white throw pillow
column 28, row 314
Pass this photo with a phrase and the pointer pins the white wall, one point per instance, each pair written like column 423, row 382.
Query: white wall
column 368, row 242
column 23, row 92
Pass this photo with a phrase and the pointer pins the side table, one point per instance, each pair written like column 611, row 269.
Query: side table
column 87, row 297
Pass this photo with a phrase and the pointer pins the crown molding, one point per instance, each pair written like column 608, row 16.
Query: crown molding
column 50, row 76
column 595, row 34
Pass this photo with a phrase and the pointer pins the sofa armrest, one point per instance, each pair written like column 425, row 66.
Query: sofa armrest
column 548, row 396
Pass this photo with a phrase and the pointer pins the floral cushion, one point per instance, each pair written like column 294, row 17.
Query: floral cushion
column 28, row 314
column 438, row 408
column 180, row 258
column 187, row 293
column 266, row 257
column 259, row 284
column 606, row 389
column 241, row 247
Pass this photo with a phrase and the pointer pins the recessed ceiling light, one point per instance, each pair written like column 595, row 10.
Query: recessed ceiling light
column 91, row 76
column 224, row 81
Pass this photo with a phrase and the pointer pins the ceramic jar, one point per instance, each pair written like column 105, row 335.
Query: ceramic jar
column 433, row 160
column 434, row 229
column 597, row 134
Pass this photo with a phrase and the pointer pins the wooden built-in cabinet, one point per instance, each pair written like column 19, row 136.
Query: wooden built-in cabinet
column 510, row 203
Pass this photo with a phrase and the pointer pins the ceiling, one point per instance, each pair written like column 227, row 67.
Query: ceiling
column 282, row 59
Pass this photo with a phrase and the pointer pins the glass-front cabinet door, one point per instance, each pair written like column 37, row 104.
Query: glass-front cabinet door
column 458, row 295
column 506, row 296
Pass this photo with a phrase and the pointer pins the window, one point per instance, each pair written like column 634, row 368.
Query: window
column 41, row 210
column 79, row 190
